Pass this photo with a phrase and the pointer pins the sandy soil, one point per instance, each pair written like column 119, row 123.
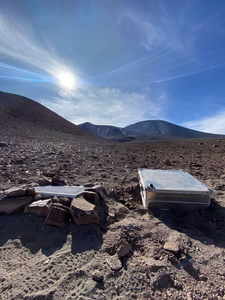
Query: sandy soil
column 39, row 261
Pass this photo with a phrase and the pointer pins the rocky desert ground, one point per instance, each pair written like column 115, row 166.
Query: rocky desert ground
column 39, row 261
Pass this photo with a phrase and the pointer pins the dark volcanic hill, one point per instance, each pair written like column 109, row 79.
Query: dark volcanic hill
column 24, row 117
column 152, row 129
column 107, row 131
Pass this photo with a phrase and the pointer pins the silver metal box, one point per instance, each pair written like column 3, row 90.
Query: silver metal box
column 172, row 188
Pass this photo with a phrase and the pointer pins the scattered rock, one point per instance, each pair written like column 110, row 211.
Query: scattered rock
column 15, row 192
column 123, row 249
column 58, row 181
column 98, row 189
column 203, row 278
column 113, row 194
column 30, row 192
column 97, row 276
column 65, row 201
column 39, row 208
column 177, row 285
column 55, row 199
column 88, row 184
column 114, row 263
column 162, row 281
column 58, row 215
column 83, row 212
column 172, row 258
column 135, row 179
column 2, row 144
column 168, row 162
column 171, row 246
column 43, row 181
column 215, row 146
column 92, row 197
column 10, row 205
column 37, row 197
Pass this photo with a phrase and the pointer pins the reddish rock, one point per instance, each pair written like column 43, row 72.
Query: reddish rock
column 10, row 205
column 171, row 246
column 62, row 200
column 30, row 192
column 114, row 263
column 58, row 215
column 97, row 189
column 97, row 276
column 123, row 249
column 58, row 181
column 55, row 199
column 15, row 192
column 92, row 197
column 44, row 181
column 168, row 162
column 39, row 208
column 65, row 201
column 83, row 212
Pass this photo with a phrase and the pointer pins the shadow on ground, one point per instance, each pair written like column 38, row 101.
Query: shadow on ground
column 206, row 225
column 35, row 235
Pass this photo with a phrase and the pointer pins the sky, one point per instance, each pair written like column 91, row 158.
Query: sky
column 118, row 62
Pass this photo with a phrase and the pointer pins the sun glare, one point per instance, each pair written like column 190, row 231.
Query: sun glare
column 67, row 80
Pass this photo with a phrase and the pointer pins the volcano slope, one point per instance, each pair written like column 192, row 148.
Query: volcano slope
column 39, row 261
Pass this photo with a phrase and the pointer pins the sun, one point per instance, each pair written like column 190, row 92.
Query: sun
column 67, row 80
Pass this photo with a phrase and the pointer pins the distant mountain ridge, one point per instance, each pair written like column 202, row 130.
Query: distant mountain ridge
column 150, row 129
column 21, row 116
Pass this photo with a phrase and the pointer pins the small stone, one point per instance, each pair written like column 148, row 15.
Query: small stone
column 15, row 192
column 171, row 246
column 39, row 208
column 97, row 276
column 135, row 179
column 168, row 162
column 114, row 263
column 97, row 189
column 43, row 181
column 37, row 197
column 10, row 205
column 2, row 144
column 123, row 249
column 189, row 296
column 215, row 145
column 173, row 258
column 55, row 199
column 177, row 285
column 83, row 212
column 46, row 262
column 203, row 278
column 88, row 184
column 30, row 192
column 58, row 215
column 91, row 196
column 58, row 181
column 65, row 201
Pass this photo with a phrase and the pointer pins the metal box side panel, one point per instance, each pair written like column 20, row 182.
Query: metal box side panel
column 174, row 198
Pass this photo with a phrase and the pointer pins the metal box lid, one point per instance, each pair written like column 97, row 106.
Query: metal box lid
column 60, row 191
column 171, row 181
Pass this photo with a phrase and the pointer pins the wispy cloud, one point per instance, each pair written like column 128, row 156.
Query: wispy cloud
column 212, row 124
column 17, row 41
column 110, row 106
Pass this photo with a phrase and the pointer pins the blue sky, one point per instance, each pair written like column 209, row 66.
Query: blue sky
column 118, row 62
